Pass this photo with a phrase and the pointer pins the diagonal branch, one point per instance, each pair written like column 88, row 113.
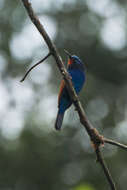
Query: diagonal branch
column 105, row 169
column 95, row 137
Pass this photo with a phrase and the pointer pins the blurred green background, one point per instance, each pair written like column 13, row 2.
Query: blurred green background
column 32, row 154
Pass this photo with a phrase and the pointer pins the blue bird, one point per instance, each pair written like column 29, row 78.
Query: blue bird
column 76, row 70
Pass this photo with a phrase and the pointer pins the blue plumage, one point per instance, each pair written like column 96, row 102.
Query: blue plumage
column 76, row 70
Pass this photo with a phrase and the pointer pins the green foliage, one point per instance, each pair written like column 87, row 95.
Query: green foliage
column 84, row 187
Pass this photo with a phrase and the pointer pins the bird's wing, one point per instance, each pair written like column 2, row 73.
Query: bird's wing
column 62, row 85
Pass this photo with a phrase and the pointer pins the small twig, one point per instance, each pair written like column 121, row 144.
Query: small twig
column 115, row 143
column 105, row 169
column 35, row 66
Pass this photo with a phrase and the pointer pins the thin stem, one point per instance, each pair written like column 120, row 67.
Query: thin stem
column 105, row 169
column 35, row 66
column 115, row 143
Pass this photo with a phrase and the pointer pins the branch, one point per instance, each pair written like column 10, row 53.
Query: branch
column 34, row 67
column 95, row 137
column 105, row 169
column 115, row 143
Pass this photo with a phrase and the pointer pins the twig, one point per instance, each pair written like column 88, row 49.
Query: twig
column 35, row 66
column 105, row 169
column 93, row 134
column 115, row 143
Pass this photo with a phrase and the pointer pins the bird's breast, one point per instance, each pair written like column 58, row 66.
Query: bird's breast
column 78, row 79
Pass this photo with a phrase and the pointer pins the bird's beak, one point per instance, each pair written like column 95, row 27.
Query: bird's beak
column 69, row 55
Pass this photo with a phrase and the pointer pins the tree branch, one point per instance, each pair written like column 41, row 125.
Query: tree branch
column 34, row 66
column 105, row 169
column 115, row 143
column 95, row 137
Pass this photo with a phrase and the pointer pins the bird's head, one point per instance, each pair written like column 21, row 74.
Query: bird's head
column 74, row 62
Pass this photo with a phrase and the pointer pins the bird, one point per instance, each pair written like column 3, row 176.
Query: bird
column 77, row 72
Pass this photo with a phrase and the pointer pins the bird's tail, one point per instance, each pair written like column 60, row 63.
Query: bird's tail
column 59, row 120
